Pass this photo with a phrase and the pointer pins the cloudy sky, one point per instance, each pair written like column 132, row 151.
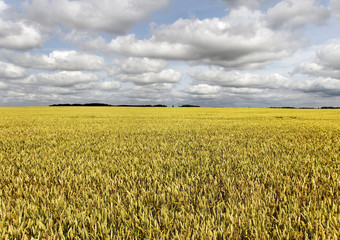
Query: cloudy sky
column 227, row 53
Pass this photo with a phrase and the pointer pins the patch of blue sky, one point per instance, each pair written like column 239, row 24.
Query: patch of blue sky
column 322, row 33
column 178, row 9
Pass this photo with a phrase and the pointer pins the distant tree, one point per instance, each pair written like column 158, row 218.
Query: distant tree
column 330, row 107
column 188, row 105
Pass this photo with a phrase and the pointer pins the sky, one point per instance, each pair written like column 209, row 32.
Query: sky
column 212, row 53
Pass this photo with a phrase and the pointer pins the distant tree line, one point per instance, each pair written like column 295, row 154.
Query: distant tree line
column 188, row 105
column 79, row 105
column 294, row 107
column 101, row 105
column 307, row 107
column 330, row 107
column 109, row 105
column 159, row 105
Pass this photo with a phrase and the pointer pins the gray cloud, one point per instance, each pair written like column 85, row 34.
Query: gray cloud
column 245, row 39
column 10, row 71
column 149, row 94
column 111, row 16
column 60, row 87
column 136, row 66
column 222, row 97
column 326, row 63
column 58, row 60
column 240, row 40
column 165, row 76
column 19, row 35
column 249, row 37
column 59, row 79
column 242, row 80
column 254, row 97
column 39, row 95
column 256, row 83
column 335, row 7
column 143, row 71
column 3, row 85
column 108, row 85
column 324, row 86
column 204, row 89
column 247, row 3
column 57, row 91
column 291, row 14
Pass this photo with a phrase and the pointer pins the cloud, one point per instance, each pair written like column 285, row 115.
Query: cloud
column 240, row 40
column 3, row 85
column 165, row 76
column 19, row 36
column 254, row 97
column 62, row 92
column 60, row 79
column 133, row 65
column 110, row 16
column 291, row 14
column 238, row 83
column 247, row 3
column 156, row 93
column 152, row 89
column 58, row 60
column 108, row 85
column 325, row 64
column 204, row 91
column 60, row 87
column 3, row 6
column 335, row 7
column 242, row 80
column 10, row 71
column 325, row 86
column 143, row 71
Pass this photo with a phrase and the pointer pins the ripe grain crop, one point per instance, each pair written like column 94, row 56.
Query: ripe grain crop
column 169, row 173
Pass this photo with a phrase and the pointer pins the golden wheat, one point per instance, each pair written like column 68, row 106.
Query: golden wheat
column 164, row 173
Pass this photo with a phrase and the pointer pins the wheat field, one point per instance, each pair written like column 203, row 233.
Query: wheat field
column 169, row 173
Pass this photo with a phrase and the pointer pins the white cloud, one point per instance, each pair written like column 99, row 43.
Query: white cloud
column 251, row 36
column 3, row 85
column 19, row 35
column 108, row 85
column 236, row 82
column 11, row 71
column 58, row 60
column 61, row 91
column 130, row 46
column 204, row 89
column 325, row 64
column 165, row 76
column 136, row 66
column 335, row 7
column 245, row 39
column 143, row 71
column 60, row 79
column 156, row 93
column 3, row 6
column 242, row 80
column 240, row 40
column 154, row 88
column 111, row 16
column 294, row 14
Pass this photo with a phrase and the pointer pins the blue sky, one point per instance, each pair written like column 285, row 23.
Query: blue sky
column 217, row 53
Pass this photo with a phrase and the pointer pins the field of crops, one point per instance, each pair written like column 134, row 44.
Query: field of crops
column 169, row 173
